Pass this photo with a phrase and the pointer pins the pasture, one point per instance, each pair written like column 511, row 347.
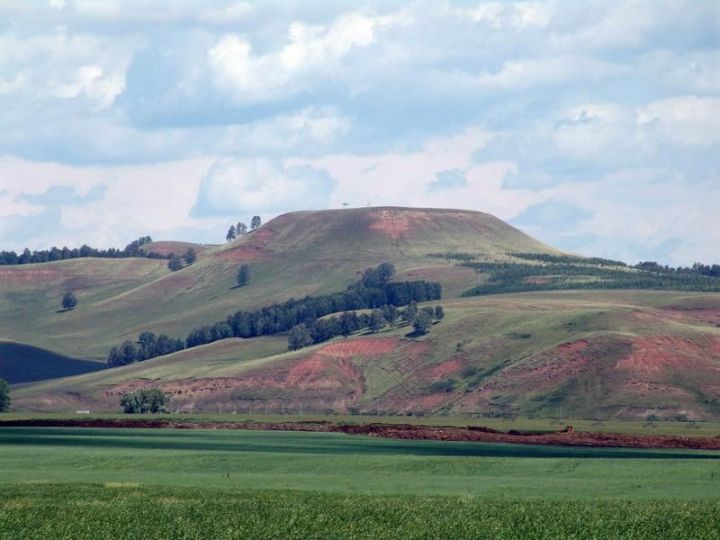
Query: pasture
column 60, row 482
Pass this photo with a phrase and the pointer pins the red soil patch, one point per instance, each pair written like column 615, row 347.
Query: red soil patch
column 659, row 354
column 360, row 347
column 396, row 224
column 548, row 370
column 448, row 367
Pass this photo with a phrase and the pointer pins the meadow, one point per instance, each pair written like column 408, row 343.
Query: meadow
column 82, row 483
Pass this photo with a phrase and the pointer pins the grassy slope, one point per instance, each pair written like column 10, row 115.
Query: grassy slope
column 293, row 255
column 500, row 354
column 20, row 363
column 553, row 353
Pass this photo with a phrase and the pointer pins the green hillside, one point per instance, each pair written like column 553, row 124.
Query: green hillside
column 595, row 354
column 20, row 363
column 609, row 351
column 291, row 256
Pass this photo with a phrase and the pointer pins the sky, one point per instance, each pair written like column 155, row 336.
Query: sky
column 593, row 126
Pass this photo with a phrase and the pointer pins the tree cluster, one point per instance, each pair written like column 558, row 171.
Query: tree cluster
column 281, row 318
column 133, row 249
column 152, row 400
column 348, row 322
column 178, row 262
column 147, row 346
column 236, row 231
column 373, row 291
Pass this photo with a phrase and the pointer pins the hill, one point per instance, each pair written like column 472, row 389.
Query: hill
column 592, row 353
column 20, row 363
column 296, row 254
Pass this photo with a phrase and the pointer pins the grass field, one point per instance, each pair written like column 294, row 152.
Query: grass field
column 83, row 483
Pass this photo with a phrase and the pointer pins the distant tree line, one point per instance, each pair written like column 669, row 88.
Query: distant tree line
column 373, row 291
column 133, row 249
column 508, row 277
column 147, row 346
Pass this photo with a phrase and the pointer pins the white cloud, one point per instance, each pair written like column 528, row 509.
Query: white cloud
column 254, row 78
column 403, row 178
column 236, row 186
column 64, row 65
column 685, row 120
column 517, row 15
column 141, row 199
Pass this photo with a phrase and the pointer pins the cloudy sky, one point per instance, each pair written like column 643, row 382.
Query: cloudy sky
column 594, row 126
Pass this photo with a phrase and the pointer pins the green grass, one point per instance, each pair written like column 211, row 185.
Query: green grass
column 95, row 511
column 352, row 464
column 89, row 483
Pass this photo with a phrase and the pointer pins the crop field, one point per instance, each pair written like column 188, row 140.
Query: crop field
column 82, row 483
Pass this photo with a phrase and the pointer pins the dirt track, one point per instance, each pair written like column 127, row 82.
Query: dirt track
column 404, row 431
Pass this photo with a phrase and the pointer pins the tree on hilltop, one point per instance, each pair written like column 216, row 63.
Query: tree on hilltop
column 241, row 229
column 69, row 301
column 255, row 223
column 231, row 234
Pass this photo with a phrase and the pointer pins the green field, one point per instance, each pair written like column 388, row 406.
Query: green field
column 82, row 483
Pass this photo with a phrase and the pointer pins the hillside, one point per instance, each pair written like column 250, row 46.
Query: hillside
column 296, row 254
column 592, row 353
column 20, row 363
column 576, row 354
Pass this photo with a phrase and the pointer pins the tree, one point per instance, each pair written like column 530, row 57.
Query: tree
column 243, row 275
column 377, row 321
column 439, row 313
column 231, row 234
column 4, row 396
column 190, row 256
column 391, row 314
column 410, row 312
column 255, row 223
column 422, row 322
column 175, row 263
column 241, row 228
column 69, row 301
column 299, row 337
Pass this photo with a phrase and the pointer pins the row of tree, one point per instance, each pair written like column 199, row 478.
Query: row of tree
column 147, row 346
column 235, row 231
column 133, row 249
column 349, row 322
column 373, row 291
